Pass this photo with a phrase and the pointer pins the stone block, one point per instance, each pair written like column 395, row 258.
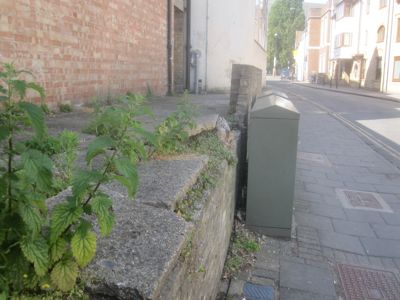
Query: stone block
column 165, row 182
column 341, row 242
column 306, row 278
column 381, row 247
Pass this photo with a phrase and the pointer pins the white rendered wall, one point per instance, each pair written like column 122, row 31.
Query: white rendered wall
column 230, row 40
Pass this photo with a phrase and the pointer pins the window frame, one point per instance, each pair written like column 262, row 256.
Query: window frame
column 396, row 59
column 398, row 31
column 380, row 34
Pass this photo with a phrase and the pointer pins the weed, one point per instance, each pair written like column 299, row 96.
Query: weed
column 209, row 144
column 241, row 252
column 45, row 108
column 65, row 107
column 43, row 251
column 171, row 134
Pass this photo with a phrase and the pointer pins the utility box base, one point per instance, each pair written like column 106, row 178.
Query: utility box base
column 270, row 231
column 272, row 152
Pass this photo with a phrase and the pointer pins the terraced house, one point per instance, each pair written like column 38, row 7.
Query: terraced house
column 363, row 37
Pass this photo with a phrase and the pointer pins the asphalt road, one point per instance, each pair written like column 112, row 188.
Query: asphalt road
column 377, row 121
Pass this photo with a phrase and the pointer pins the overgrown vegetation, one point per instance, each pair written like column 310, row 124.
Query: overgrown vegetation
column 172, row 133
column 244, row 245
column 65, row 107
column 209, row 144
column 40, row 250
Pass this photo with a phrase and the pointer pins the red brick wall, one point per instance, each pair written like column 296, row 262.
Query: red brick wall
column 80, row 49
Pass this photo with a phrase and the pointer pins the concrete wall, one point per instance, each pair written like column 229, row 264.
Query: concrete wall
column 82, row 49
column 197, row 276
column 227, row 38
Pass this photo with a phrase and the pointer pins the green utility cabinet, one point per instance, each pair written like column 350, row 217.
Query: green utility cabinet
column 272, row 152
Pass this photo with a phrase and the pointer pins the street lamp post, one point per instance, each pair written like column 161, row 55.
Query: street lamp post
column 276, row 50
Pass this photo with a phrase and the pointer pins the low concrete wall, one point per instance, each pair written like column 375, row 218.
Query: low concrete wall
column 153, row 253
column 197, row 273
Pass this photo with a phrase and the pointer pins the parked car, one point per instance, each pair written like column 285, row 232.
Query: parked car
column 285, row 73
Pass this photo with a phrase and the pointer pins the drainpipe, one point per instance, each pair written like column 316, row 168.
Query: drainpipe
column 169, row 46
column 206, row 56
column 388, row 45
column 358, row 44
column 188, row 41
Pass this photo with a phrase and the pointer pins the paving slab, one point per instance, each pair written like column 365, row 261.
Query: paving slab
column 314, row 221
column 165, row 182
column 341, row 242
column 381, row 247
column 306, row 278
column 371, row 217
column 353, row 228
column 387, row 231
column 295, row 294
column 329, row 211
column 391, row 218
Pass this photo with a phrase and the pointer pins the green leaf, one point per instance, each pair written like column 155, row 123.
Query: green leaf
column 31, row 216
column 37, row 88
column 98, row 146
column 57, row 250
column 83, row 245
column 101, row 206
column 38, row 167
column 20, row 86
column 82, row 180
column 64, row 214
column 36, row 117
column 64, row 274
column 130, row 177
column 36, row 251
column 4, row 132
column 149, row 136
column 3, row 90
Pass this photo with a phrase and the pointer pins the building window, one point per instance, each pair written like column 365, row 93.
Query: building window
column 382, row 3
column 343, row 9
column 381, row 34
column 396, row 69
column 343, row 40
column 378, row 72
column 398, row 30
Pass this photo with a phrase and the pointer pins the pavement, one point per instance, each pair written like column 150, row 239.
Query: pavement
column 346, row 241
column 352, row 91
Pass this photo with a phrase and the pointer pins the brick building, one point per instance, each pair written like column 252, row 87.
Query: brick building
column 84, row 49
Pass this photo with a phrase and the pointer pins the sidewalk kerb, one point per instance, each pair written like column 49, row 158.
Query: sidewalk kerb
column 383, row 97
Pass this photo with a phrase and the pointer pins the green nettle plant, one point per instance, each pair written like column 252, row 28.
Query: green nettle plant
column 42, row 249
column 171, row 133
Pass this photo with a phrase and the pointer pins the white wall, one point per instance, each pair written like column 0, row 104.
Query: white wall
column 393, row 50
column 230, row 39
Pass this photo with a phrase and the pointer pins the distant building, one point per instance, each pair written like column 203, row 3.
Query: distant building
column 359, row 43
column 312, row 48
